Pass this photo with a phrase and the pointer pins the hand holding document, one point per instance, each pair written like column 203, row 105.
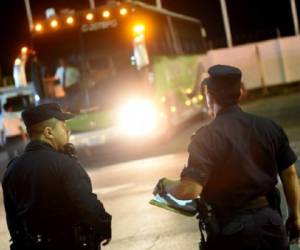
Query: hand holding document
column 169, row 202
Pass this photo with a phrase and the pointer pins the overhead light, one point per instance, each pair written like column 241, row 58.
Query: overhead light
column 89, row 16
column 24, row 50
column 123, row 11
column 139, row 28
column 54, row 23
column 38, row 27
column 70, row 20
column 106, row 14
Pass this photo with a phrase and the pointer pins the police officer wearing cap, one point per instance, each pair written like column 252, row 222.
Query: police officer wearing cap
column 233, row 165
column 48, row 196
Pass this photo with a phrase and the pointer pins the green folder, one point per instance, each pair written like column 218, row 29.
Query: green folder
column 170, row 203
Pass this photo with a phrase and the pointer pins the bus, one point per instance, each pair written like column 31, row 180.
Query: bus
column 137, row 67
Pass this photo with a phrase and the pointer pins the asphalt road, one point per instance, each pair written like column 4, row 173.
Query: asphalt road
column 126, row 188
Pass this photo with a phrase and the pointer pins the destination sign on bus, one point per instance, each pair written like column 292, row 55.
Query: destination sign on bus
column 99, row 25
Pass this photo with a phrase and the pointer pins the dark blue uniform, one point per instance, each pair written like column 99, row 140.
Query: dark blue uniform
column 49, row 201
column 237, row 158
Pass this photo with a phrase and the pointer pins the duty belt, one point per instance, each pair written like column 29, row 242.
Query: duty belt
column 257, row 203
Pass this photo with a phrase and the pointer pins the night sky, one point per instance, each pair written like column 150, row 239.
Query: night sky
column 251, row 20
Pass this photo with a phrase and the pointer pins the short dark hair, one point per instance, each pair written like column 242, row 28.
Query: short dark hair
column 35, row 131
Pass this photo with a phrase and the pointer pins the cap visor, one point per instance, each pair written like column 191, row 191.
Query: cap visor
column 64, row 116
column 205, row 81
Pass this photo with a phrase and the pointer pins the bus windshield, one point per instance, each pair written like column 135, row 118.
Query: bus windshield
column 102, row 56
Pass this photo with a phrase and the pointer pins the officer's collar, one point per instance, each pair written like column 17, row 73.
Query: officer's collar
column 38, row 145
column 229, row 109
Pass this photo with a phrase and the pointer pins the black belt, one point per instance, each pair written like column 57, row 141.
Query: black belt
column 257, row 203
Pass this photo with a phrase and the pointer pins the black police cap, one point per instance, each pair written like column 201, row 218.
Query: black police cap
column 44, row 112
column 224, row 83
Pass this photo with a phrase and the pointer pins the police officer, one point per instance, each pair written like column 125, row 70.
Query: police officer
column 233, row 164
column 48, row 196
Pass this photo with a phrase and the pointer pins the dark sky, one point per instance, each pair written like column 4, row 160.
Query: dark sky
column 251, row 20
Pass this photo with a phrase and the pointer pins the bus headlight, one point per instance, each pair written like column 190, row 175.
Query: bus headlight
column 138, row 117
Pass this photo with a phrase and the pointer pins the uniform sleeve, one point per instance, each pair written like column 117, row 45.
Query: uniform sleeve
column 201, row 160
column 285, row 155
column 9, row 209
column 91, row 211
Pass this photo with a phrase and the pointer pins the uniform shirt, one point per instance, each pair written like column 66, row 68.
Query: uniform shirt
column 50, row 192
column 59, row 74
column 67, row 76
column 237, row 157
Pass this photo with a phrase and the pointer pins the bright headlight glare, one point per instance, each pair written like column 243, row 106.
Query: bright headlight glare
column 137, row 117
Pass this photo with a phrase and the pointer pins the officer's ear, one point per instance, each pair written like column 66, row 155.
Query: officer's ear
column 209, row 99
column 48, row 132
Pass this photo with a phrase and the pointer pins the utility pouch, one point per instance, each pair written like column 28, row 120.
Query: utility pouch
column 274, row 200
column 207, row 219
column 85, row 238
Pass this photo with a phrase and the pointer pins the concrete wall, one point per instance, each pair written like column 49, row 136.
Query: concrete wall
column 266, row 63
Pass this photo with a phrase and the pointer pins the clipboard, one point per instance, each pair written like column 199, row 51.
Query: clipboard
column 170, row 203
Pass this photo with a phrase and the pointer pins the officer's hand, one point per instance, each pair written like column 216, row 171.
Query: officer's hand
column 162, row 186
column 105, row 242
column 293, row 230
column 159, row 187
